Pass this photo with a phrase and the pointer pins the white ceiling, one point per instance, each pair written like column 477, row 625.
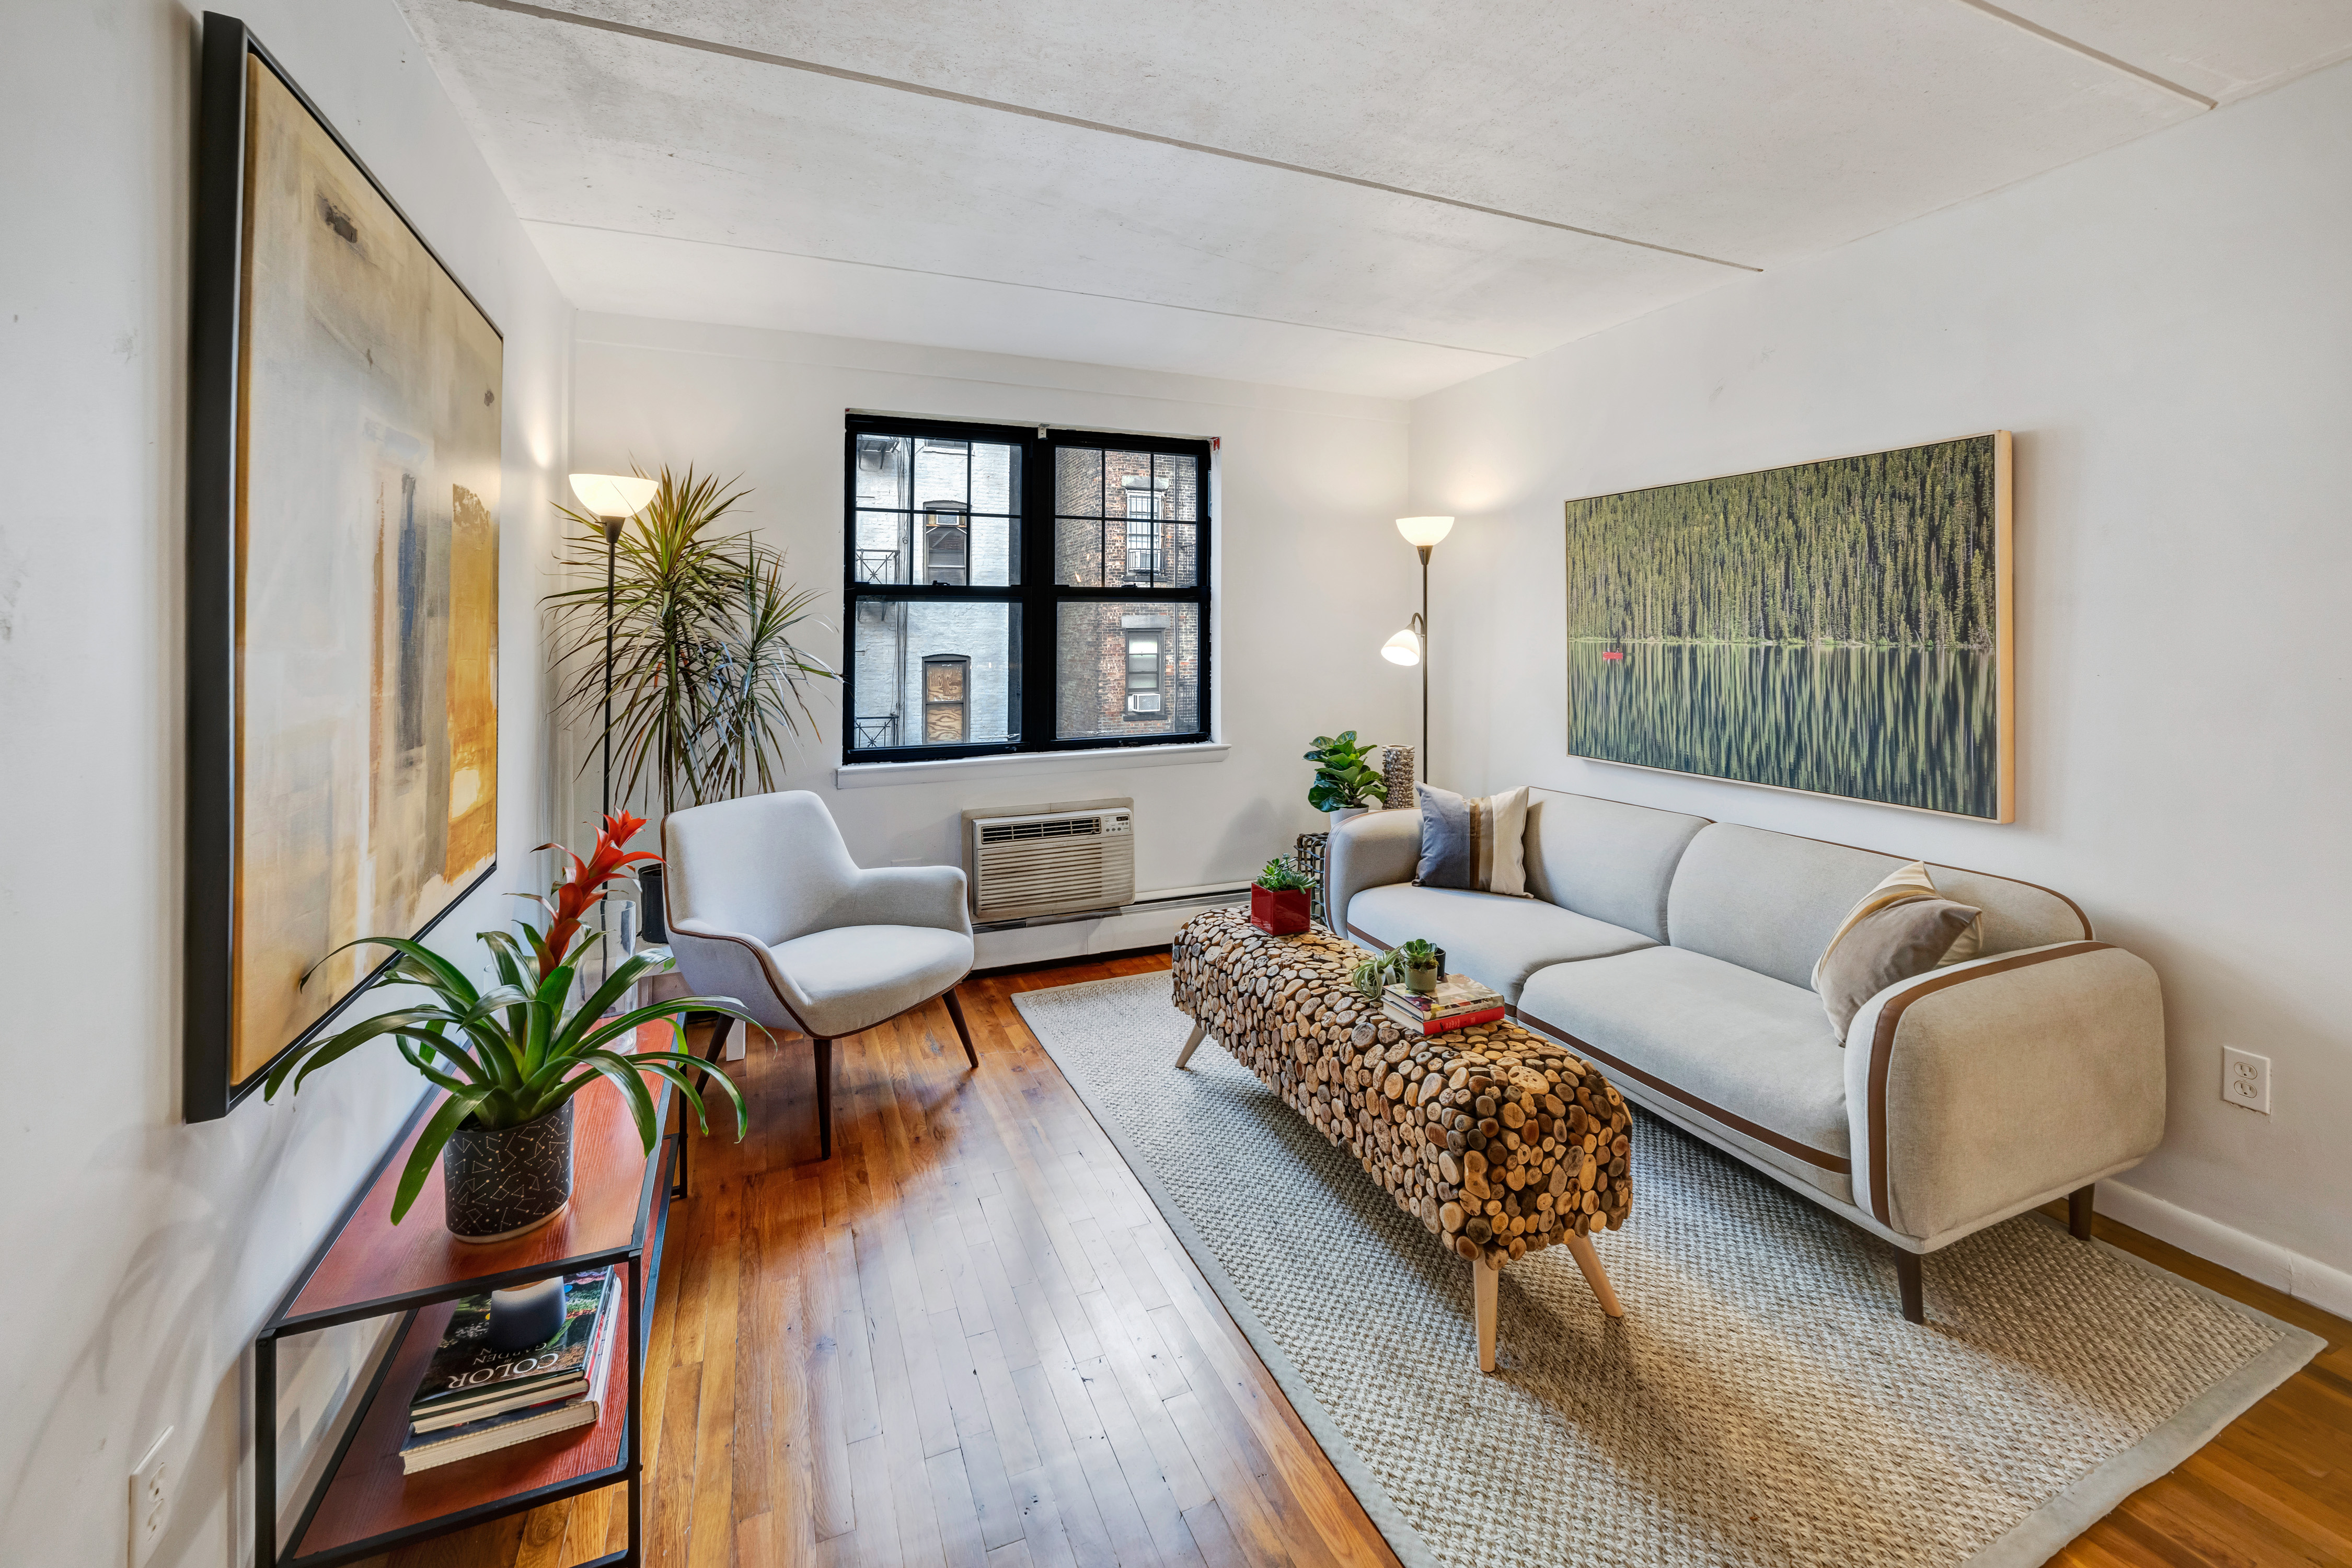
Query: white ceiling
column 1380, row 199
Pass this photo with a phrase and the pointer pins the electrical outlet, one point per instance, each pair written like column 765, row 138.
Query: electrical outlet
column 2246, row 1079
column 150, row 1499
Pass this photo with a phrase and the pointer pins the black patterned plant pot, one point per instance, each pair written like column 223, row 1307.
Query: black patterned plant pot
column 499, row 1181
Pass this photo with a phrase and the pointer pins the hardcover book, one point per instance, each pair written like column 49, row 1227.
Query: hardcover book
column 466, row 1370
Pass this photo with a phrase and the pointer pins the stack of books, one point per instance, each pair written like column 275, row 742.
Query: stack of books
column 475, row 1399
column 1458, row 1003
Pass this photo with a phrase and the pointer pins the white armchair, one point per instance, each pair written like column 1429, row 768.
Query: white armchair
column 765, row 905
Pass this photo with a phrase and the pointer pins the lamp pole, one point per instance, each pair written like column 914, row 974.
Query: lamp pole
column 1421, row 624
column 612, row 547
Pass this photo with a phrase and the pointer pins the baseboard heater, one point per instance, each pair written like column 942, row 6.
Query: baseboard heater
column 1201, row 898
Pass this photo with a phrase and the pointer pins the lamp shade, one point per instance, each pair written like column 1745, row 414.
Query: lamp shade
column 1424, row 531
column 1402, row 648
column 613, row 495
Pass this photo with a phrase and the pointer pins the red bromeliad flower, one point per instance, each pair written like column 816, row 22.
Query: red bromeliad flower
column 583, row 888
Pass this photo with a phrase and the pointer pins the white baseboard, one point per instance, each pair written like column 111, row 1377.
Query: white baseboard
column 2265, row 1262
column 1075, row 939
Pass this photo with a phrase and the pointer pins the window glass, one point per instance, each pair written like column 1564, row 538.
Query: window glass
column 1127, row 667
column 1124, row 518
column 913, row 658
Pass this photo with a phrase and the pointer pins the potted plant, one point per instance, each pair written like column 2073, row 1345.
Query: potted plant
column 1345, row 785
column 513, row 1056
column 1278, row 900
column 1420, row 961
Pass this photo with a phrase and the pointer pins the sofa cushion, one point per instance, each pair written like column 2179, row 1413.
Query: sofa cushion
column 1486, row 936
column 1747, row 1055
column 1604, row 858
column 1770, row 902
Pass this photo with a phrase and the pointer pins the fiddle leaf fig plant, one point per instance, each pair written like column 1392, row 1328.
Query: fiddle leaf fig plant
column 1343, row 780
column 516, row 1051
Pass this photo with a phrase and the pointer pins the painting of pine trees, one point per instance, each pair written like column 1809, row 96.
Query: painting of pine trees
column 1831, row 627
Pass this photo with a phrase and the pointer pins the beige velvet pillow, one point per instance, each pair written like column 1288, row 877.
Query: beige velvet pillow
column 1894, row 942
column 1905, row 882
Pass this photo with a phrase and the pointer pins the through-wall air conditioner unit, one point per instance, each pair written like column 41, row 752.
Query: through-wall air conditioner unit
column 1068, row 857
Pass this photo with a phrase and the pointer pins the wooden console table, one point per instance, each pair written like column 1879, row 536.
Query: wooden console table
column 363, row 1504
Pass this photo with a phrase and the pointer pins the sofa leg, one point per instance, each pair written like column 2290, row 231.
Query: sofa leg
column 1191, row 1043
column 1484, row 1278
column 1908, row 1281
column 824, row 1097
column 2078, row 1211
column 1580, row 1248
column 963, row 1030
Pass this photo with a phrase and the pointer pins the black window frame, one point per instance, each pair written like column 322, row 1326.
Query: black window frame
column 1037, row 598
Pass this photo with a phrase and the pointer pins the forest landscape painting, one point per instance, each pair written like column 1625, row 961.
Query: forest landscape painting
column 363, row 568
column 1839, row 627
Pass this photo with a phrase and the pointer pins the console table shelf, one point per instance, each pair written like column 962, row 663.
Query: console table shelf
column 363, row 1504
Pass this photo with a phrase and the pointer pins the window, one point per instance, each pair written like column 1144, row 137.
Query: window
column 969, row 545
column 947, row 685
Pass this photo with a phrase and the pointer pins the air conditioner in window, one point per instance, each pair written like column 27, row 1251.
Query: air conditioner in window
column 1069, row 858
column 1143, row 703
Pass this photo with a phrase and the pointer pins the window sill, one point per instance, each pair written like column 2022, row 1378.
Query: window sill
column 1018, row 765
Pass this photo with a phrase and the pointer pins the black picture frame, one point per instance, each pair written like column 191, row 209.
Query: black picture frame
column 209, row 1088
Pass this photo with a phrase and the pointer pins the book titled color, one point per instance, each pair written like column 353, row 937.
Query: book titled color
column 430, row 1447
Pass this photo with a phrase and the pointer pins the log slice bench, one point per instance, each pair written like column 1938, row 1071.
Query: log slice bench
column 1500, row 1141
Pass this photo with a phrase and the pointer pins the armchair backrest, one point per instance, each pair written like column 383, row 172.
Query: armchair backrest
column 769, row 866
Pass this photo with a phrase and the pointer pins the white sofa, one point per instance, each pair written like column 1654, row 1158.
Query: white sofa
column 1676, row 953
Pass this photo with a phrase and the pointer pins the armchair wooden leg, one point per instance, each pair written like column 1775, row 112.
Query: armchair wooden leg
column 1580, row 1248
column 2078, row 1211
column 1909, row 1281
column 824, row 1097
column 963, row 1030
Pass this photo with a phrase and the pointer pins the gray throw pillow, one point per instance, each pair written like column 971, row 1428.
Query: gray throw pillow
column 1897, row 943
column 1474, row 842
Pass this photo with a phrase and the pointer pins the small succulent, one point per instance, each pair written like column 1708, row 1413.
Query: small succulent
column 1281, row 876
column 1418, row 953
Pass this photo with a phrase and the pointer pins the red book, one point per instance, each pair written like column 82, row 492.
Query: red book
column 1449, row 1023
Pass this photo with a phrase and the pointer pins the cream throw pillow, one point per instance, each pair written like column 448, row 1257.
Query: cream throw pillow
column 1901, row 886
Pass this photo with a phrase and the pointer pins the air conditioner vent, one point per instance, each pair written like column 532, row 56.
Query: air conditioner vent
column 1049, row 861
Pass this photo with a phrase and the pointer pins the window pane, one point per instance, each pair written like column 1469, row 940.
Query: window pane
column 1128, row 668
column 1126, row 520
column 883, row 554
column 934, row 672
column 882, row 470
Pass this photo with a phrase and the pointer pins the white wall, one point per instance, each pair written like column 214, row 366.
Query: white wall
column 2167, row 327
column 1311, row 576
column 143, row 1252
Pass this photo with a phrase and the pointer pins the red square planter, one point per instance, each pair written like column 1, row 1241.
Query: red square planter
column 1279, row 914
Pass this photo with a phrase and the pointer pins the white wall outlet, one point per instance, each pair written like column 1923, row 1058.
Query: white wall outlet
column 2246, row 1079
column 150, row 1499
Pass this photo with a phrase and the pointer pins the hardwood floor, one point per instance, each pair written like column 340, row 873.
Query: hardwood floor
column 969, row 1338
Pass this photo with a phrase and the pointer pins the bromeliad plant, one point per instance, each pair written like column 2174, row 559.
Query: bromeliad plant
column 516, row 1052
column 1343, row 780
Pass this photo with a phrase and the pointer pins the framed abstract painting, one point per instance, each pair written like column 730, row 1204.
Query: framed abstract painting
column 344, row 470
column 1841, row 627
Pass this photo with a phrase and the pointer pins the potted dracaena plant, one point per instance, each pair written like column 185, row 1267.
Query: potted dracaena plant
column 513, row 1056
column 1279, row 899
column 1345, row 783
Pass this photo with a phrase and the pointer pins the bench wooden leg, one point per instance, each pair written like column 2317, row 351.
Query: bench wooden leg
column 1484, row 1278
column 1191, row 1043
column 1580, row 1247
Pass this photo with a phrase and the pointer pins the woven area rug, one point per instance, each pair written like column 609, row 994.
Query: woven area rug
column 1762, row 1402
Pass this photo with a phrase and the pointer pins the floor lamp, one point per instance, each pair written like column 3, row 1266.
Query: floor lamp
column 611, row 499
column 1411, row 646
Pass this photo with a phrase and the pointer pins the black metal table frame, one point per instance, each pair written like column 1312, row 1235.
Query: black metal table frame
column 643, row 1256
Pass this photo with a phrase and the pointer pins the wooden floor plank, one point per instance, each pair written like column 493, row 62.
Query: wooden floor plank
column 969, row 1338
